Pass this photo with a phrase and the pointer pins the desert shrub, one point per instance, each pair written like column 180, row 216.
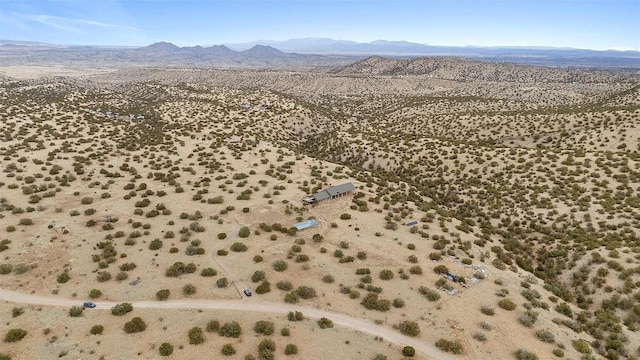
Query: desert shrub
column 96, row 330
column 17, row 311
column 488, row 310
column 507, row 304
column 545, row 335
column 6, row 269
column 263, row 327
column 14, row 335
column 345, row 216
column 188, row 289
column 208, row 272
column 103, row 276
column 165, row 349
column 222, row 236
column 372, row 302
column 76, row 311
column 95, row 293
column 231, row 329
column 263, row 288
column 122, row 276
column 328, row 279
column 398, row 303
column 213, row 326
column 222, row 252
column 258, row 276
column 227, row 350
column 155, row 244
column 238, row 247
column 524, row 354
column 285, row 331
column 291, row 349
column 63, row 278
column 529, row 318
column 415, row 270
column 284, row 285
column 280, row 265
column 222, row 282
column 244, row 232
column 306, row 292
column 410, row 328
column 325, row 323
column 135, row 325
column 480, row 336
column 163, row 294
column 25, row 221
column 408, row 351
column 295, row 316
column 380, row 357
column 441, row 269
column 558, row 353
column 452, row 346
column 431, row 295
column 257, row 259
column 582, row 346
column 196, row 336
column 121, row 309
column 386, row 274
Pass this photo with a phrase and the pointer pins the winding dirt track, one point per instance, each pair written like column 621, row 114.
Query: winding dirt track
column 243, row 305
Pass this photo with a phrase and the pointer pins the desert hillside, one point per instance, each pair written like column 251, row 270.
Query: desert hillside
column 488, row 200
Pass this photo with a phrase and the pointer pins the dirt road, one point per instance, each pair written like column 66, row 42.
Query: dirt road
column 247, row 304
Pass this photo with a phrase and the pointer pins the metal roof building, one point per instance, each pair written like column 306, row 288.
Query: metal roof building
column 334, row 192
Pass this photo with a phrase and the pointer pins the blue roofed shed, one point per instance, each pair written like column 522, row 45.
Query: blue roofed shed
column 306, row 224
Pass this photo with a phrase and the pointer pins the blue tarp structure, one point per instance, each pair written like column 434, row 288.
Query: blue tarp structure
column 412, row 223
column 306, row 224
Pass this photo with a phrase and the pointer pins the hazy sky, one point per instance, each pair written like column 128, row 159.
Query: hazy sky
column 591, row 24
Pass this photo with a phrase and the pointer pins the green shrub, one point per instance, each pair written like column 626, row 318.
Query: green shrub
column 345, row 216
column 222, row 282
column 295, row 316
column 431, row 295
column 507, row 304
column 291, row 349
column 238, row 247
column 264, row 327
column 408, row 351
column 410, row 328
column 121, row 309
column 452, row 346
column 524, row 354
column 228, row 350
column 208, row 272
column 325, row 323
column 188, row 289
column 135, row 325
column 545, row 335
column 196, row 336
column 14, row 335
column 386, row 274
column 280, row 265
column 76, row 311
column 244, row 232
column 263, row 288
column 63, row 278
column 165, row 349
column 96, row 330
column 163, row 294
column 213, row 326
column 231, row 329
column 582, row 346
column 155, row 244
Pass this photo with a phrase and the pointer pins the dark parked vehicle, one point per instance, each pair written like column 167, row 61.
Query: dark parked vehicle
column 247, row 292
column 89, row 305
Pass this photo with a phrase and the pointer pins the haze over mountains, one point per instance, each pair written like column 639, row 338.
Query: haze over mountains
column 296, row 53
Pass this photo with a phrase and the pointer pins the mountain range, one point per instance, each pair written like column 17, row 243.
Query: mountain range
column 307, row 52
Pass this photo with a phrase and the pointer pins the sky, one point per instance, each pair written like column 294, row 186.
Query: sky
column 585, row 24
